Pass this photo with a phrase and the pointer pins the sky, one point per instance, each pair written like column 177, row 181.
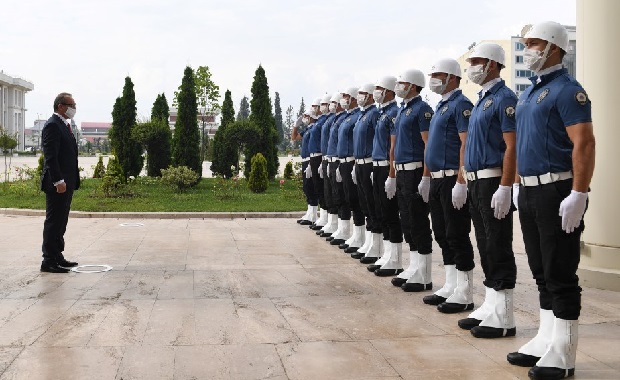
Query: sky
column 307, row 48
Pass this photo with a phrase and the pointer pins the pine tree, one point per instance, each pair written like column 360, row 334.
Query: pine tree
column 244, row 109
column 278, row 119
column 302, row 108
column 126, row 149
column 289, row 122
column 186, row 139
column 261, row 116
column 160, row 109
column 223, row 153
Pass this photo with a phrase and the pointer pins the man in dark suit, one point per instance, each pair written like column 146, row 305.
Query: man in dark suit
column 59, row 179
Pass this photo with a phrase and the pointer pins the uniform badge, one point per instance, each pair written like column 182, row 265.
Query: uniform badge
column 466, row 114
column 487, row 104
column 444, row 109
column 365, row 117
column 408, row 112
column 542, row 95
column 428, row 115
column 581, row 98
column 393, row 120
column 510, row 111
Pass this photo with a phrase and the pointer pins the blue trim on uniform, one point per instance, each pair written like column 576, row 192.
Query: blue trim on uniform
column 412, row 119
column 383, row 131
column 364, row 132
column 345, row 134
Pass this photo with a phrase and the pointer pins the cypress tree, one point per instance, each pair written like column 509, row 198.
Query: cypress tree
column 186, row 139
column 160, row 108
column 244, row 109
column 278, row 118
column 224, row 155
column 261, row 116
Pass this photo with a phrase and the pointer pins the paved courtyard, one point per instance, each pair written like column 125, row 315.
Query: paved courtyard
column 247, row 299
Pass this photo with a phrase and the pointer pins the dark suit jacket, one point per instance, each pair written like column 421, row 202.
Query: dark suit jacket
column 61, row 156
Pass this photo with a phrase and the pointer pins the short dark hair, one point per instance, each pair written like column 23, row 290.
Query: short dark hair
column 418, row 89
column 59, row 99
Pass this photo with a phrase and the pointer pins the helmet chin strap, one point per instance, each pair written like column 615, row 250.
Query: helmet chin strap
column 545, row 55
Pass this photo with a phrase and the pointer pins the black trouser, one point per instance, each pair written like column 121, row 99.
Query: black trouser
column 414, row 211
column 350, row 192
column 308, row 186
column 327, row 189
column 317, row 181
column 451, row 226
column 494, row 236
column 366, row 196
column 339, row 200
column 386, row 209
column 57, row 207
column 553, row 254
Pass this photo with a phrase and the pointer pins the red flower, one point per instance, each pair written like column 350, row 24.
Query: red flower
column 281, row 182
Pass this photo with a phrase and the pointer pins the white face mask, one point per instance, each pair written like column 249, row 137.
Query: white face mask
column 535, row 59
column 401, row 90
column 379, row 95
column 345, row 102
column 305, row 120
column 477, row 74
column 332, row 107
column 437, row 86
column 313, row 111
column 324, row 108
column 70, row 112
column 361, row 99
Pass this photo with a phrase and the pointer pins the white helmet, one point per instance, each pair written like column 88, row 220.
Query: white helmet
column 326, row 99
column 413, row 76
column 367, row 88
column 316, row 102
column 488, row 50
column 351, row 91
column 336, row 97
column 448, row 66
column 549, row 31
column 388, row 82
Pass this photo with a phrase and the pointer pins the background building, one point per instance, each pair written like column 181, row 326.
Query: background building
column 13, row 106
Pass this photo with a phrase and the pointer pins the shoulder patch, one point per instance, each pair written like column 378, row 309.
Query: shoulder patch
column 466, row 113
column 428, row 115
column 582, row 98
column 444, row 109
column 487, row 104
column 542, row 95
column 510, row 111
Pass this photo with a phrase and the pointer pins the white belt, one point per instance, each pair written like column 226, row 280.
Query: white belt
column 381, row 163
column 305, row 159
column 362, row 161
column 444, row 173
column 333, row 159
column 484, row 173
column 316, row 154
column 409, row 166
column 347, row 159
column 544, row 179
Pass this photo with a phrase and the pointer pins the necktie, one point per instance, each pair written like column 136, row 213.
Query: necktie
column 70, row 129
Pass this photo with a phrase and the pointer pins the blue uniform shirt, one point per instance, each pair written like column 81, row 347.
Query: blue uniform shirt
column 492, row 115
column 325, row 128
column 444, row 144
column 345, row 133
column 305, row 138
column 412, row 119
column 383, row 131
column 332, row 147
column 364, row 132
column 314, row 145
column 544, row 111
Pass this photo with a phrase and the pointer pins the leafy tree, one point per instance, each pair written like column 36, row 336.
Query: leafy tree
column 258, row 181
column 244, row 109
column 278, row 118
column 224, row 156
column 8, row 142
column 288, row 170
column 242, row 136
column 155, row 137
column 261, row 116
column 99, row 171
column 127, row 150
column 186, row 139
column 302, row 108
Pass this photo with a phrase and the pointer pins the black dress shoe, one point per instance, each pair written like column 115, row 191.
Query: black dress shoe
column 343, row 246
column 329, row 237
column 397, row 281
column 321, row 233
column 53, row 268
column 388, row 272
column 522, row 360
column 351, row 249
column 357, row 255
column 469, row 323
column 315, row 227
column 336, row 241
column 550, row 373
column 451, row 307
column 492, row 332
column 434, row 299
column 305, row 223
column 66, row 264
column 368, row 260
column 372, row 268
column 415, row 287
column 299, row 221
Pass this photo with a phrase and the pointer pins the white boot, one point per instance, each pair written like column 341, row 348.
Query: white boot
column 357, row 239
column 450, row 284
column 332, row 224
column 413, row 265
column 304, row 216
column 475, row 317
column 394, row 264
column 367, row 242
column 500, row 321
column 532, row 351
column 312, row 213
column 559, row 358
column 322, row 218
column 374, row 251
column 421, row 278
column 344, row 230
column 353, row 235
column 463, row 297
column 386, row 250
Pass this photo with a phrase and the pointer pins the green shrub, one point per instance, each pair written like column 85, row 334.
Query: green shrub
column 99, row 170
column 180, row 178
column 288, row 170
column 40, row 166
column 258, row 181
column 113, row 178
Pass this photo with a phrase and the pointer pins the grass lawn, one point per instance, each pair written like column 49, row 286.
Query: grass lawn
column 149, row 195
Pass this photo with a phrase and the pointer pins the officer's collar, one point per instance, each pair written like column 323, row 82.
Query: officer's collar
column 367, row 108
column 491, row 86
column 353, row 110
column 548, row 74
column 384, row 105
column 450, row 95
column 409, row 101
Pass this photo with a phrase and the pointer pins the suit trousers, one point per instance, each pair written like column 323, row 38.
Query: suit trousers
column 57, row 207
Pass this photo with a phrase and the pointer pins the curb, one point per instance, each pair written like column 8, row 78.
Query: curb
column 156, row 215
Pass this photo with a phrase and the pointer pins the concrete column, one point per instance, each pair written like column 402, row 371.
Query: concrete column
column 598, row 58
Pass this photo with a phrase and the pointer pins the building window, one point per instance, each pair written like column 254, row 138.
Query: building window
column 524, row 73
column 518, row 59
column 521, row 87
column 519, row 46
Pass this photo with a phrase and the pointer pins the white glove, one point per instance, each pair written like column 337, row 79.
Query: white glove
column 371, row 179
column 338, row 176
column 424, row 188
column 501, row 202
column 353, row 176
column 320, row 172
column 515, row 194
column 572, row 209
column 308, row 172
column 459, row 195
column 390, row 187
